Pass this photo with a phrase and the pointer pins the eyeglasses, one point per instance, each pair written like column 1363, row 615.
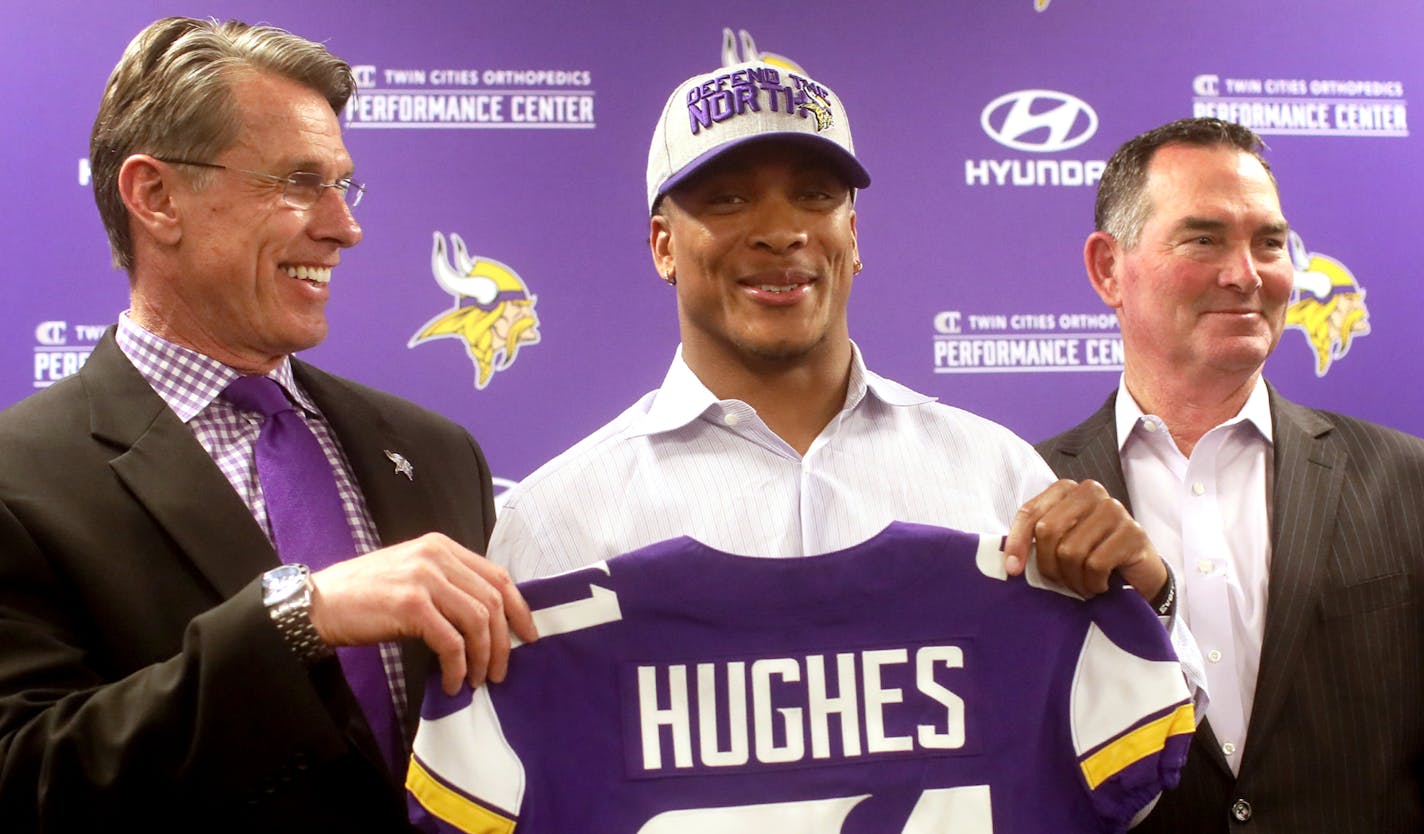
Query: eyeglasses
column 300, row 190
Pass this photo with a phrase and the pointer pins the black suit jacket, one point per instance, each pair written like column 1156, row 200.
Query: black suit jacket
column 142, row 684
column 1336, row 736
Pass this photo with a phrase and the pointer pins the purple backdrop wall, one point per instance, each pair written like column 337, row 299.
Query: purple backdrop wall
column 523, row 129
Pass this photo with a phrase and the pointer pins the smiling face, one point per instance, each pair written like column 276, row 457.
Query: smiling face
column 762, row 243
column 246, row 279
column 1203, row 294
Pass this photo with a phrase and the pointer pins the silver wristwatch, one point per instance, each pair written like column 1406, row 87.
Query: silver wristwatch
column 287, row 593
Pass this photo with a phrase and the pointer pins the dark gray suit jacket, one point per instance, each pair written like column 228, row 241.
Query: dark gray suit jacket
column 142, row 685
column 1336, row 737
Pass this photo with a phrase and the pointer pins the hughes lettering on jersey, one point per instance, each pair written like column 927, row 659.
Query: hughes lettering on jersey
column 785, row 710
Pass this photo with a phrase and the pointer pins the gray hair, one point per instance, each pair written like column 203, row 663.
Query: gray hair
column 171, row 95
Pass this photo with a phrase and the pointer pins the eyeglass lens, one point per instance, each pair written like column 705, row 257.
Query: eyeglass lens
column 304, row 189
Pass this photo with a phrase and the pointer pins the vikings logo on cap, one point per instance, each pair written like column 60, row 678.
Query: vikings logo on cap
column 710, row 114
column 1327, row 305
column 493, row 313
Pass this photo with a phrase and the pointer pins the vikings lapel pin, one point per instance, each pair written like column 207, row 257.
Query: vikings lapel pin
column 403, row 466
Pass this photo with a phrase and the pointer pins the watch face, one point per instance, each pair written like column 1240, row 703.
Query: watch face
column 279, row 580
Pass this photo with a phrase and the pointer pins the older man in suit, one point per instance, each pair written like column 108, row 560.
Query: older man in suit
column 225, row 574
column 1297, row 535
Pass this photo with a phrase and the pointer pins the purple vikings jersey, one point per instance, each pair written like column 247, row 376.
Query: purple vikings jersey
column 902, row 686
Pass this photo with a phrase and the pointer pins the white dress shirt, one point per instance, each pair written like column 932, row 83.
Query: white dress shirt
column 1209, row 517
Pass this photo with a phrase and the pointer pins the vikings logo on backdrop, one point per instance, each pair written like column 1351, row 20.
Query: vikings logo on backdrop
column 493, row 313
column 1327, row 305
column 749, row 52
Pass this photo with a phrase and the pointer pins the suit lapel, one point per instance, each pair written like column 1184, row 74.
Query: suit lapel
column 1089, row 450
column 171, row 475
column 399, row 505
column 1309, row 472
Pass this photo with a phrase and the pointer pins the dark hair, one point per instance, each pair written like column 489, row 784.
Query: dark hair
column 1121, row 208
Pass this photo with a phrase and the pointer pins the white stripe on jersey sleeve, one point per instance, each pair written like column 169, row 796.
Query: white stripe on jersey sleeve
column 1114, row 689
column 467, row 749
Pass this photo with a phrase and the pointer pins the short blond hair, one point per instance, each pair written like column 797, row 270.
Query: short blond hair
column 171, row 95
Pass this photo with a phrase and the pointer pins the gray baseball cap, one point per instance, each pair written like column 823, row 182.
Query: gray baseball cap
column 710, row 114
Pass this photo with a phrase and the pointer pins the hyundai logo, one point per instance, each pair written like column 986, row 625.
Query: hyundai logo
column 1039, row 121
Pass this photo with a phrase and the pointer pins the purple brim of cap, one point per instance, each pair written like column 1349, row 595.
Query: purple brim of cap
column 846, row 165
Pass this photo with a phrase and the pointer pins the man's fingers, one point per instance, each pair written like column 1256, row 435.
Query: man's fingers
column 1081, row 535
column 515, row 611
column 476, row 631
column 449, row 648
column 1056, row 509
column 1017, row 543
column 426, row 607
column 479, row 575
column 1140, row 565
column 465, row 602
column 1085, row 550
column 1023, row 530
column 486, row 595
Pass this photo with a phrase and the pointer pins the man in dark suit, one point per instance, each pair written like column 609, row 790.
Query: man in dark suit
column 160, row 667
column 1296, row 535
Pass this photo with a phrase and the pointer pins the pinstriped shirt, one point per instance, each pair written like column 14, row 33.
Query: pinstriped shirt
column 191, row 384
column 682, row 462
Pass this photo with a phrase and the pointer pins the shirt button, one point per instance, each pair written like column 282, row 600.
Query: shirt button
column 1198, row 489
column 1214, row 656
column 1150, row 425
column 1241, row 810
column 1228, row 748
column 1205, row 566
column 731, row 419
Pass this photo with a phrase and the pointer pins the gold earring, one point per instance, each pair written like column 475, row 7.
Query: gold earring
column 857, row 266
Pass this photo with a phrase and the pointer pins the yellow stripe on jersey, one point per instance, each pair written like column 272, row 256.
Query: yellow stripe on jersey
column 1138, row 744
column 451, row 807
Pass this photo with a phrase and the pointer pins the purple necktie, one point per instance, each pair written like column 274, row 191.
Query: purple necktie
column 309, row 527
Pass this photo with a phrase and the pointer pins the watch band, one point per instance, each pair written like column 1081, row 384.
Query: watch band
column 1165, row 603
column 287, row 593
